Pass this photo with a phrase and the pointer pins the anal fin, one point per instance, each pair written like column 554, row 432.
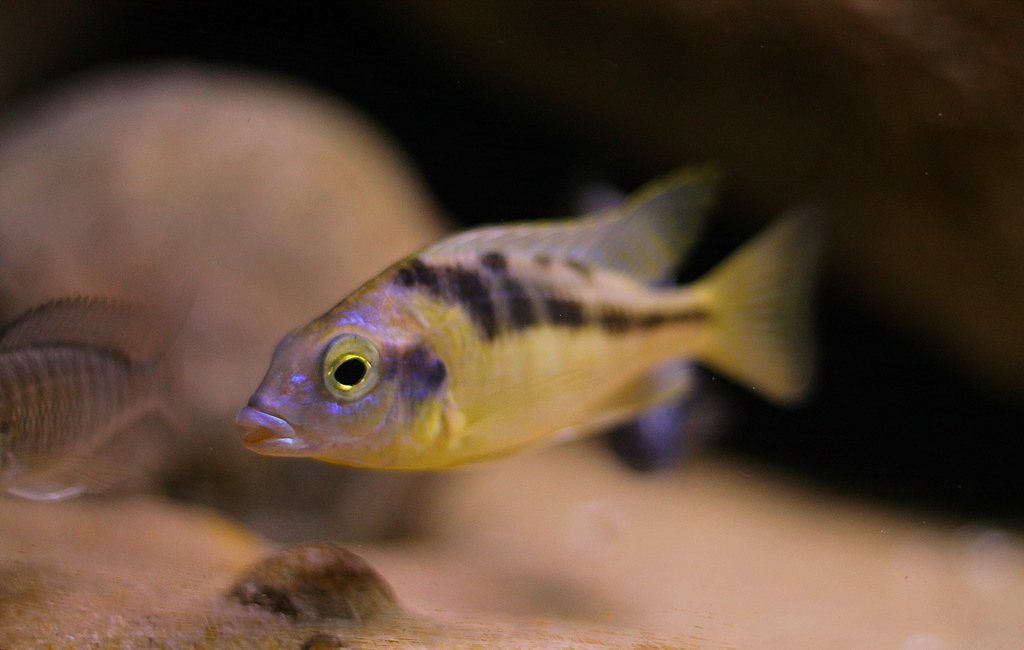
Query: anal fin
column 64, row 478
column 657, row 385
column 669, row 433
column 45, row 490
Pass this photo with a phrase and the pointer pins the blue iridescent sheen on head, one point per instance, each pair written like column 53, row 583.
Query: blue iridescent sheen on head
column 380, row 417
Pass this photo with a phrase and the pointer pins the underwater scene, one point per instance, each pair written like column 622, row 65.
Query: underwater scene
column 511, row 324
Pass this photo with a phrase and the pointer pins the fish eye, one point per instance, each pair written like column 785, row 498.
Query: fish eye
column 350, row 366
column 351, row 371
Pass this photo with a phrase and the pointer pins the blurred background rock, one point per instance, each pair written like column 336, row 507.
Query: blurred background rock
column 243, row 202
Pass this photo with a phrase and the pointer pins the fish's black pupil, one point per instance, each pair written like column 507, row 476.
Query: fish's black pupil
column 351, row 371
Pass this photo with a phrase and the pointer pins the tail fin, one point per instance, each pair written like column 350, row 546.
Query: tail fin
column 760, row 304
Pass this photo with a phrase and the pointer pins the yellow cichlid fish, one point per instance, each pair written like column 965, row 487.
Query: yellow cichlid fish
column 505, row 336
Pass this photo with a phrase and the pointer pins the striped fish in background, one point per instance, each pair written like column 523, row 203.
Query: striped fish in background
column 76, row 376
column 506, row 336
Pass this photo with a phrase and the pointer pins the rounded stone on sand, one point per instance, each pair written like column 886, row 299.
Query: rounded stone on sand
column 316, row 581
column 322, row 642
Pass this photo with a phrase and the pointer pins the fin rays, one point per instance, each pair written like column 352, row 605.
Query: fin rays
column 645, row 238
column 760, row 300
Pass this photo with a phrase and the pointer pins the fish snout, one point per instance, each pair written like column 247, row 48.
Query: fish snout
column 268, row 434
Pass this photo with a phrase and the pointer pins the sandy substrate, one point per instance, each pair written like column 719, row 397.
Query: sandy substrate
column 556, row 549
column 143, row 573
column 728, row 557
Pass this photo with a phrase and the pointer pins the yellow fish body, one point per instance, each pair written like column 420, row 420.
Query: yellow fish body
column 505, row 336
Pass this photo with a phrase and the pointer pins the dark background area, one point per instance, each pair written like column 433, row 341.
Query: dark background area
column 888, row 420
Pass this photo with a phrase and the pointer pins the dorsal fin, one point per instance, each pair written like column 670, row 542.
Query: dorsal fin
column 125, row 327
column 646, row 237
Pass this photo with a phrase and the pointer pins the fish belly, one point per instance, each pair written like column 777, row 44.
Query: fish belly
column 555, row 382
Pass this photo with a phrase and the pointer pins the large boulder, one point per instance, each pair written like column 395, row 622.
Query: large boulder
column 242, row 203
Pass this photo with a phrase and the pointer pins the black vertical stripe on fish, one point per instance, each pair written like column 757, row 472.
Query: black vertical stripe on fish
column 519, row 311
column 469, row 292
column 522, row 312
column 453, row 284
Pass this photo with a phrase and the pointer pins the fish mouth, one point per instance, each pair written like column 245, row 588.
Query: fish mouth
column 268, row 434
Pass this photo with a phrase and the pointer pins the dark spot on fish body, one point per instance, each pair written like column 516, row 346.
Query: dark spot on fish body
column 615, row 321
column 418, row 373
column 542, row 259
column 696, row 315
column 581, row 268
column 389, row 360
column 650, row 321
column 425, row 275
column 436, row 375
column 494, row 261
column 520, row 312
column 564, row 312
column 405, row 278
column 421, row 370
column 417, row 274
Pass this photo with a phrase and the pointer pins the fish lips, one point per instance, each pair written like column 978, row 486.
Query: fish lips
column 269, row 434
